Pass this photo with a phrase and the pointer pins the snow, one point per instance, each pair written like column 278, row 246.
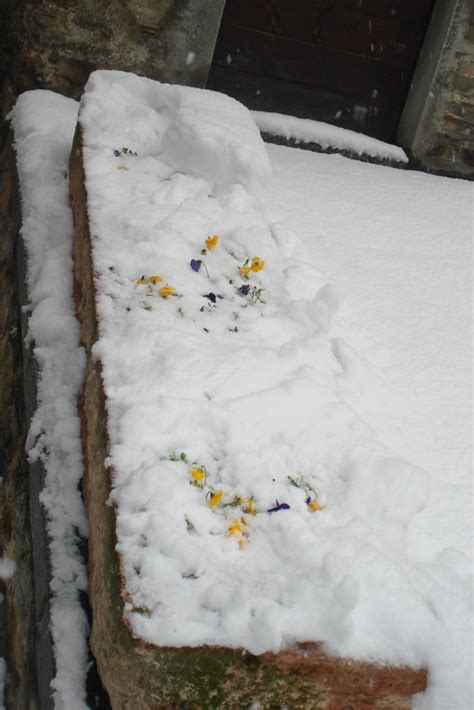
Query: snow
column 347, row 373
column 7, row 567
column 399, row 246
column 44, row 125
column 305, row 130
column 197, row 132
column 278, row 398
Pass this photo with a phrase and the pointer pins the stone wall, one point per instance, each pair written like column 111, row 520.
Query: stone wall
column 17, row 627
column 437, row 124
column 455, row 142
column 56, row 44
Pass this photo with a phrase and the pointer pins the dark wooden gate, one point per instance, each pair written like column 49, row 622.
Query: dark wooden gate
column 345, row 62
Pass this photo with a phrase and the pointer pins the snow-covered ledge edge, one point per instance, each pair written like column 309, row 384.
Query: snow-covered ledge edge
column 328, row 137
column 43, row 124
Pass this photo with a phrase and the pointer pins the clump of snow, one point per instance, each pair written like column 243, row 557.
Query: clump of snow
column 305, row 130
column 44, row 125
column 7, row 567
column 254, row 506
column 200, row 133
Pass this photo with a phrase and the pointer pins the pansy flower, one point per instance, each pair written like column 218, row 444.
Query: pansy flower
column 215, row 498
column 141, row 280
column 195, row 264
column 235, row 528
column 251, row 507
column 154, row 279
column 237, row 531
column 278, row 506
column 257, row 264
column 198, row 474
column 313, row 505
column 166, row 291
column 211, row 296
column 244, row 290
column 211, row 242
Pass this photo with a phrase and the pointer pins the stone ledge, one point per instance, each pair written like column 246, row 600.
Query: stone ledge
column 141, row 676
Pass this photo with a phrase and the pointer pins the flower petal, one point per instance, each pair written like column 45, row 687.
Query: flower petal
column 166, row 291
column 215, row 498
column 257, row 264
column 211, row 242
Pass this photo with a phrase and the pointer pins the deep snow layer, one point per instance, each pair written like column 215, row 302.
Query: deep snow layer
column 399, row 247
column 256, row 393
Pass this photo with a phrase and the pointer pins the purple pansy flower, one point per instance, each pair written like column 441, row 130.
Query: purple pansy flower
column 211, row 296
column 195, row 264
column 244, row 290
column 279, row 506
column 117, row 153
column 308, row 500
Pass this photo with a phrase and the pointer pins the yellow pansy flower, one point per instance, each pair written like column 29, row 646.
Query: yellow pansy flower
column 141, row 280
column 166, row 291
column 235, row 527
column 211, row 242
column 155, row 279
column 257, row 264
column 197, row 474
column 215, row 498
column 244, row 270
column 250, row 507
column 314, row 506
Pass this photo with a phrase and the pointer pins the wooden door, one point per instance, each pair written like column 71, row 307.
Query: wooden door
column 345, row 62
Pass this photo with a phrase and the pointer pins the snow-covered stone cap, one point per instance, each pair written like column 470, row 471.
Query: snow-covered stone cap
column 335, row 138
column 195, row 131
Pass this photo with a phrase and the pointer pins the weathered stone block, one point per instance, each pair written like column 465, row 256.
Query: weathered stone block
column 56, row 44
column 17, row 632
column 138, row 675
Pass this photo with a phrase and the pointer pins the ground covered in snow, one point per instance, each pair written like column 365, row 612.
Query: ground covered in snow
column 285, row 360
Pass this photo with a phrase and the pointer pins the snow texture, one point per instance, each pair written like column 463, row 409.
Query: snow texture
column 304, row 130
column 44, row 125
column 399, row 246
column 201, row 133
